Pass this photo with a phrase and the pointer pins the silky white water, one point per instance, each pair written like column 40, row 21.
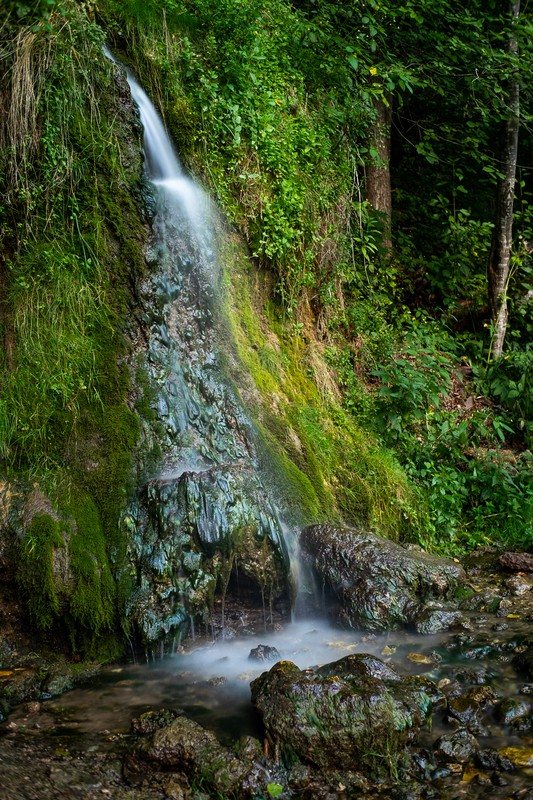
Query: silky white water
column 185, row 263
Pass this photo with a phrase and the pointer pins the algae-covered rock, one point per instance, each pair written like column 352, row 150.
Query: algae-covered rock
column 356, row 712
column 378, row 583
column 182, row 745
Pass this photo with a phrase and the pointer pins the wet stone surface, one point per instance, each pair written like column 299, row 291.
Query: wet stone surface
column 479, row 747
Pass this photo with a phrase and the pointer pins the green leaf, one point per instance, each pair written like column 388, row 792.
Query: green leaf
column 274, row 789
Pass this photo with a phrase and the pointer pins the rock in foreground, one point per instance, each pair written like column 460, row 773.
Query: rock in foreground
column 356, row 712
column 379, row 584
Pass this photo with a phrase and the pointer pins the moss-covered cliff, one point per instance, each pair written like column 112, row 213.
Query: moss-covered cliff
column 311, row 337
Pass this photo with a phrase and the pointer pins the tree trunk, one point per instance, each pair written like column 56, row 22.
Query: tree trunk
column 378, row 186
column 500, row 254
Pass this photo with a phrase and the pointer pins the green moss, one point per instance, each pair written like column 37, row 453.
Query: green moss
column 92, row 601
column 104, row 466
column 321, row 461
column 36, row 569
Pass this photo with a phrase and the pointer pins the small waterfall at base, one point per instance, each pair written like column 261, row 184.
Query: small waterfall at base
column 204, row 519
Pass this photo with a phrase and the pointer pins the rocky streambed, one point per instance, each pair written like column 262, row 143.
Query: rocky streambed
column 358, row 711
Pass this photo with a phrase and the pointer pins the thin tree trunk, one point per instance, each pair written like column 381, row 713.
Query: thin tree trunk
column 500, row 254
column 378, row 185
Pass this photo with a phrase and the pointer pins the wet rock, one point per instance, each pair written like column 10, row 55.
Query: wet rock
column 513, row 709
column 457, row 747
column 486, row 600
column 177, row 788
column 519, row 756
column 484, row 695
column 519, row 585
column 440, row 773
column 432, row 620
column 151, row 721
column 185, row 746
column 500, row 626
column 517, row 562
column 338, row 716
column 378, row 584
column 450, row 688
column 466, row 711
column 491, row 759
column 196, row 529
column 264, row 653
column 249, row 748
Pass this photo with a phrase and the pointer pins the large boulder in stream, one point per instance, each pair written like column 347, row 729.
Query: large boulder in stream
column 354, row 713
column 379, row 584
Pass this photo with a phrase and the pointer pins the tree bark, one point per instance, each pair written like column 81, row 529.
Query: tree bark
column 500, row 254
column 378, row 185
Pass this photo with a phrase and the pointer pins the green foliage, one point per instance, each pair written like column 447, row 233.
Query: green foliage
column 63, row 300
column 478, row 491
column 57, row 317
column 509, row 382
column 415, row 380
column 266, row 139
column 71, row 256
column 30, row 12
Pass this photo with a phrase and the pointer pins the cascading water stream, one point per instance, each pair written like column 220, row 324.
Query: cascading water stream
column 207, row 489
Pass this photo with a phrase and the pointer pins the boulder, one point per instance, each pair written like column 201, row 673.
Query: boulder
column 378, row 583
column 181, row 745
column 263, row 652
column 355, row 713
column 517, row 562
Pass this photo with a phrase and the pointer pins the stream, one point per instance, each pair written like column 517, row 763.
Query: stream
column 208, row 486
column 73, row 746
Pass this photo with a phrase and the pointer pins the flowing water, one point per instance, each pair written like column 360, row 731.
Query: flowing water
column 210, row 682
column 207, row 487
column 209, row 467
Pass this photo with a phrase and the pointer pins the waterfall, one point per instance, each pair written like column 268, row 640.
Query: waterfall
column 206, row 511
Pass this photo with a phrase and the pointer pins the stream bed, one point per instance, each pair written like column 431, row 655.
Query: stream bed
column 73, row 746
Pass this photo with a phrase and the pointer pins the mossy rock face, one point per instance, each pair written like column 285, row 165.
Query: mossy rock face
column 54, row 558
column 354, row 713
column 379, row 584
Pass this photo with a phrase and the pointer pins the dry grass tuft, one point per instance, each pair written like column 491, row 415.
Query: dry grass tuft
column 31, row 59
